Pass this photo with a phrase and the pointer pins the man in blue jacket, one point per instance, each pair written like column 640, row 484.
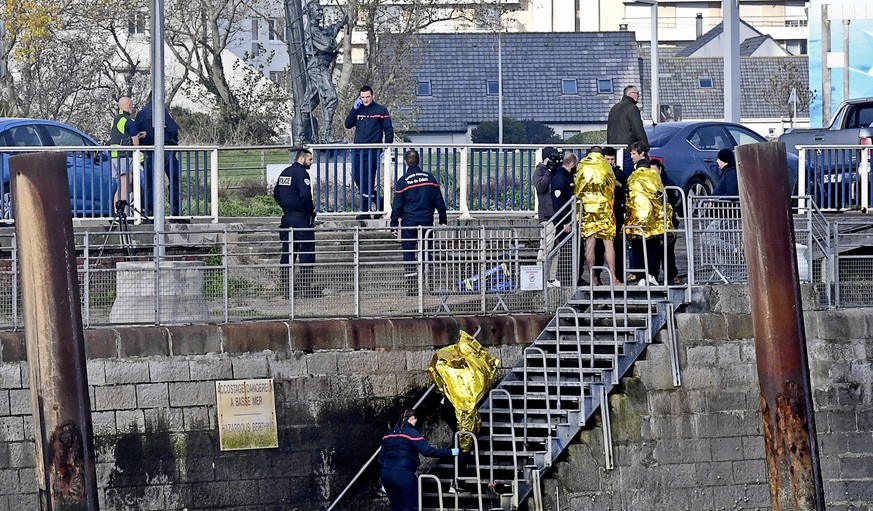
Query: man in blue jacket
column 416, row 196
column 372, row 124
column 399, row 458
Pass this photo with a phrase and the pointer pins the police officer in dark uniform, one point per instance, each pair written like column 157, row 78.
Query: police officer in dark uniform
column 416, row 195
column 562, row 193
column 294, row 196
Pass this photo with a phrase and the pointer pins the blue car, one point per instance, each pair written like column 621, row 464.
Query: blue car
column 689, row 150
column 88, row 172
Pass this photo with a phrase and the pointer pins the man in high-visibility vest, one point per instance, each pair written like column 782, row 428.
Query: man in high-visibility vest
column 123, row 132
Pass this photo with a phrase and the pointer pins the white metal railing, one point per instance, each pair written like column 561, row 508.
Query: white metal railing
column 837, row 177
column 190, row 177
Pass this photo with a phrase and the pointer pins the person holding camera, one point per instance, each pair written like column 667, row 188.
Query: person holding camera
column 551, row 160
column 294, row 195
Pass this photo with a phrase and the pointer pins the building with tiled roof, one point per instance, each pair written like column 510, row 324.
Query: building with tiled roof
column 568, row 81
column 694, row 89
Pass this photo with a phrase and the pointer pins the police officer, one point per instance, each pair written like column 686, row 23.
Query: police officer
column 416, row 195
column 294, row 196
column 123, row 132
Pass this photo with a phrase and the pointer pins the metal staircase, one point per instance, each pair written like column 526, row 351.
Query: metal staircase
column 564, row 377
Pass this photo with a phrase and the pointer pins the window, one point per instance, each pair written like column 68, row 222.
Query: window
column 256, row 50
column 24, row 136
column 64, row 137
column 137, row 23
column 710, row 138
column 604, row 87
column 568, row 86
column 280, row 78
column 254, row 29
column 705, row 83
column 276, row 29
column 568, row 134
column 744, row 136
column 492, row 88
column 423, row 88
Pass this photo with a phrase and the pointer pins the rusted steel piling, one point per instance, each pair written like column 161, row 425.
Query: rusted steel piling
column 53, row 330
column 780, row 339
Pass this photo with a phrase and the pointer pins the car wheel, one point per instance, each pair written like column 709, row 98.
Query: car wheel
column 698, row 186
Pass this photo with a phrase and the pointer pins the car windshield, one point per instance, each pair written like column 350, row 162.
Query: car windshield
column 661, row 134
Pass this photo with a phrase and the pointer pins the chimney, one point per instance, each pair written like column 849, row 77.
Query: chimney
column 622, row 27
column 699, row 25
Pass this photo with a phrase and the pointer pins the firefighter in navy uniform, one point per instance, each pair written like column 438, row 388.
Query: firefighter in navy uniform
column 416, row 195
column 294, row 196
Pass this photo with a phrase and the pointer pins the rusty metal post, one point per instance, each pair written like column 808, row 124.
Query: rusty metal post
column 780, row 340
column 53, row 330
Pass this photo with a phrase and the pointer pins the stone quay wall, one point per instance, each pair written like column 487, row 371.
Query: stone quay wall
column 700, row 446
column 340, row 383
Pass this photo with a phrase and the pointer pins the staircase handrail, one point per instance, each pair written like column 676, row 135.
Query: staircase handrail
column 615, row 353
column 491, row 397
column 644, row 279
column 458, row 435
column 542, row 353
column 439, row 483
column 575, row 314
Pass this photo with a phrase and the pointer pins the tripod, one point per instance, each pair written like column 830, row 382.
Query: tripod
column 119, row 219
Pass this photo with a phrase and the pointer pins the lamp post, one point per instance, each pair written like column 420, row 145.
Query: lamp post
column 655, row 100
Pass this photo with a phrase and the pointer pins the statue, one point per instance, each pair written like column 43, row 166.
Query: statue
column 320, row 48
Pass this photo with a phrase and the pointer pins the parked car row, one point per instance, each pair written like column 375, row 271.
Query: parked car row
column 689, row 150
column 88, row 172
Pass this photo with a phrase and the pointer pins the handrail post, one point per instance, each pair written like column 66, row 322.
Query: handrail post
column 464, row 184
column 864, row 176
column 213, row 184
column 136, row 200
column 388, row 178
column 801, row 177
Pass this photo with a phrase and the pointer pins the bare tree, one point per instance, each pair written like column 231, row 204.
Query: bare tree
column 790, row 89
column 393, row 34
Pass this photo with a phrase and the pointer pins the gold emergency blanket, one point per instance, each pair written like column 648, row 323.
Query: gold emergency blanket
column 645, row 203
column 594, row 187
column 464, row 372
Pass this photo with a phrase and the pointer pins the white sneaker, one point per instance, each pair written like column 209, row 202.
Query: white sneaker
column 554, row 283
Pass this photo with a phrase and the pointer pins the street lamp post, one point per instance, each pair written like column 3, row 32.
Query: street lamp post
column 655, row 100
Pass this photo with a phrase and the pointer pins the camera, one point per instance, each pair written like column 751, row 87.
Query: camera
column 554, row 160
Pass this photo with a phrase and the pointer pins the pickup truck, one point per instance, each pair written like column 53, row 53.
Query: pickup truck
column 850, row 125
column 833, row 174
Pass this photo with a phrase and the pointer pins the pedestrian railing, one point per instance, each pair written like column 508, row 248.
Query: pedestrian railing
column 189, row 177
column 837, row 177
column 717, row 253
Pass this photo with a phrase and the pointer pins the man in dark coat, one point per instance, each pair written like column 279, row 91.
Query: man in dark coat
column 728, row 185
column 294, row 195
column 145, row 123
column 416, row 196
column 372, row 124
column 624, row 126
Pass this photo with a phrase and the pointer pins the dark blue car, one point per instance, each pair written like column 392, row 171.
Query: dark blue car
column 88, row 172
column 689, row 150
